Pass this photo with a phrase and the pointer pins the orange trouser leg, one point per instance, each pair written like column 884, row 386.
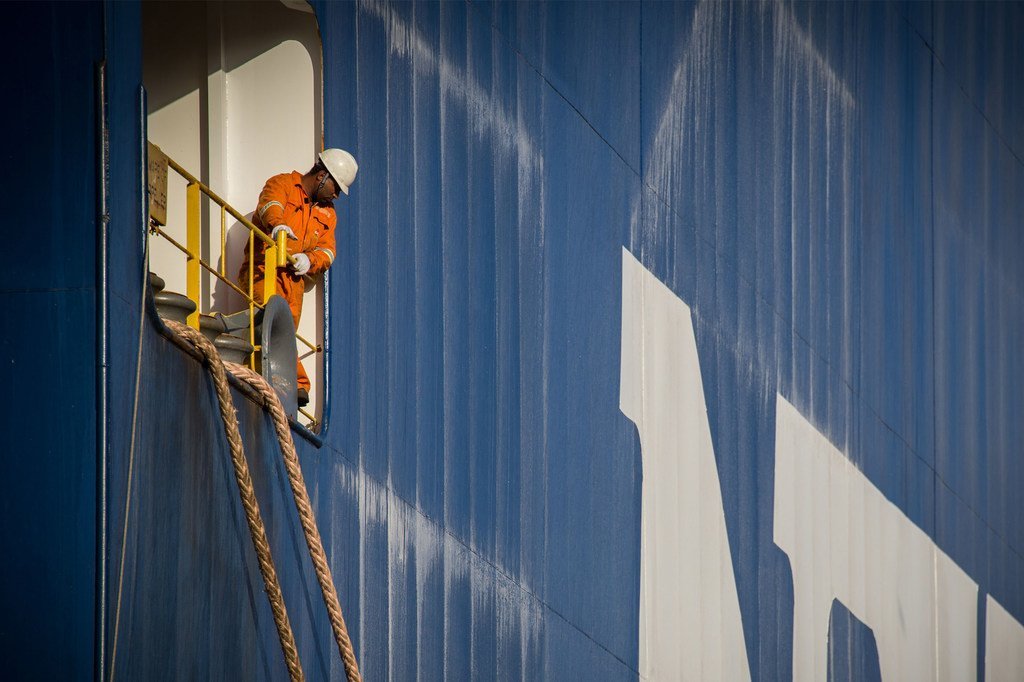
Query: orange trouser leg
column 292, row 292
column 294, row 298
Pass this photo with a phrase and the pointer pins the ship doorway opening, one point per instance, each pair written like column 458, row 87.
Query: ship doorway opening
column 234, row 92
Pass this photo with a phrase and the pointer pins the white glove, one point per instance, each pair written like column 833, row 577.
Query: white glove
column 282, row 228
column 301, row 264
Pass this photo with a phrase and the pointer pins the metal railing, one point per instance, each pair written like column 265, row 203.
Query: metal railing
column 275, row 256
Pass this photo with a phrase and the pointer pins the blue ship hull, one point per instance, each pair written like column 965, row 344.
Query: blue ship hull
column 834, row 192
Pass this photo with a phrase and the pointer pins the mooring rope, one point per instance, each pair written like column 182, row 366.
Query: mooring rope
column 272, row 403
column 316, row 548
column 247, row 493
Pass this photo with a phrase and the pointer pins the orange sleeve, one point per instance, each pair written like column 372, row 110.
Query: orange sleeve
column 274, row 197
column 322, row 255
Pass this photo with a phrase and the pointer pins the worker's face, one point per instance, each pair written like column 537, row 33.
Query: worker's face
column 329, row 189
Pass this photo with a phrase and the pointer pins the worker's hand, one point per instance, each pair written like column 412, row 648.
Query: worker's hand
column 282, row 228
column 301, row 264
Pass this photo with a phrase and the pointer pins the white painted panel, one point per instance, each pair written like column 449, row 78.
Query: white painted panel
column 271, row 115
column 1004, row 644
column 845, row 541
column 690, row 627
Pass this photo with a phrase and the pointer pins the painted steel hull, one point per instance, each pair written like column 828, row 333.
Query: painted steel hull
column 770, row 250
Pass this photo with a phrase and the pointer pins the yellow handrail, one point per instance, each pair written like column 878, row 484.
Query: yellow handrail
column 225, row 205
column 193, row 229
column 275, row 256
column 209, row 268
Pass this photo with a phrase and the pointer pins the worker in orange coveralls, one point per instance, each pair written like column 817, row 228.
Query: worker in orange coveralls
column 303, row 207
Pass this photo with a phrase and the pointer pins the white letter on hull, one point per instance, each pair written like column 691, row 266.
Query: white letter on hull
column 846, row 541
column 1004, row 644
column 690, row 627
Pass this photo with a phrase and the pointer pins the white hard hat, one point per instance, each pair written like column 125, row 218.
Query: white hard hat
column 341, row 165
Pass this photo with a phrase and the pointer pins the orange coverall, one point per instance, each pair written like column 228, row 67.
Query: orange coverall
column 284, row 202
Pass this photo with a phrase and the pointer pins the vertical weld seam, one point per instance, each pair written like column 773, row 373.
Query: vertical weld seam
column 100, row 604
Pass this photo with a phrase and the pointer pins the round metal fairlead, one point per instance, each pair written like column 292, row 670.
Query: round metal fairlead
column 278, row 355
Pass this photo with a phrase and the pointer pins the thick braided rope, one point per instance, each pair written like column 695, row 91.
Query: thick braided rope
column 306, row 517
column 248, row 494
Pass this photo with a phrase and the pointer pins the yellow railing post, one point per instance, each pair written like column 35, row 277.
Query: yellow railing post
column 269, row 273
column 223, row 242
column 192, row 242
column 252, row 300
